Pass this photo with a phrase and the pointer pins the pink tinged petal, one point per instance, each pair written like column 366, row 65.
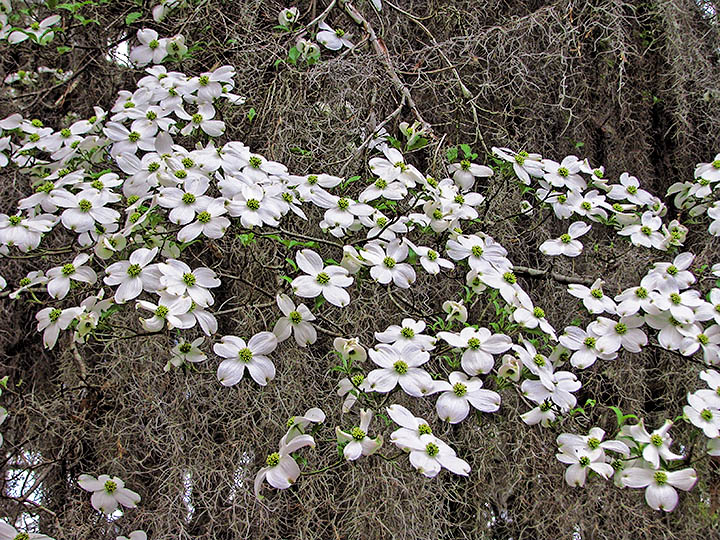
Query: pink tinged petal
column 475, row 362
column 285, row 304
column 603, row 469
column 58, row 287
column 684, row 479
column 261, row 369
column 575, row 475
column 424, row 463
column 484, row 400
column 401, row 416
column 104, row 502
column 636, row 477
column 127, row 497
column 128, row 290
column 282, row 329
column 451, row 408
column 309, row 262
column 230, row 372
column 336, row 296
column 454, row 464
column 190, row 232
column 353, row 450
column 89, row 483
column 278, row 476
column 306, row 287
column 661, row 497
column 382, row 380
column 262, row 343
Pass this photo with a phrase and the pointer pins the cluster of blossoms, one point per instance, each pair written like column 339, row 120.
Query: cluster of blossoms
column 637, row 459
column 109, row 493
column 574, row 188
column 158, row 197
column 699, row 197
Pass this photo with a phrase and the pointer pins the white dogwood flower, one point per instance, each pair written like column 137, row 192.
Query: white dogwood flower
column 400, row 367
column 659, row 493
column 59, row 278
column 357, row 442
column 108, row 492
column 568, row 243
column 240, row 355
column 459, row 394
column 296, row 320
column 326, row 280
column 130, row 275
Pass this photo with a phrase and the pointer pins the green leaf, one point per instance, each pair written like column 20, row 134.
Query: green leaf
column 293, row 55
column 132, row 17
column 252, row 113
column 452, row 154
column 291, row 263
column 63, row 49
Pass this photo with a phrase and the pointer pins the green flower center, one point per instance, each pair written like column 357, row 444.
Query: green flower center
column 187, row 162
column 287, row 197
column 110, row 487
column 54, row 315
column 459, row 389
column 134, row 136
column 255, row 162
column 151, row 115
column 68, row 269
column 510, row 278
column 706, row 415
column 432, row 449
column 473, row 343
column 407, row 333
column 253, row 204
column 181, row 174
column 389, row 262
column 65, row 133
column 437, row 214
column 154, row 44
column 520, row 160
column 400, row 165
column 656, row 440
column 618, row 207
column 562, row 171
column 562, row 199
column 272, row 460
column 660, row 478
column 566, row 238
column 617, row 464
column 128, row 105
column 36, row 123
column 674, row 321
column 703, row 182
column 675, row 298
column 357, row 434
column 647, row 231
column 34, row 137
column 245, row 355
column 134, row 270
column 632, row 190
column 459, row 199
column 135, row 216
column 380, row 183
column 431, row 181
column 432, row 255
column 189, row 279
column 85, row 205
column 24, row 282
column 545, row 406
column 343, row 204
column 197, row 118
column 641, row 292
column 15, row 220
column 716, row 163
column 204, row 80
column 357, row 379
column 621, row 328
column 47, row 187
column 539, row 360
column 204, row 217
column 585, row 205
column 672, row 270
column 381, row 222
column 596, row 293
column 593, row 443
column 465, row 165
column 400, row 367
column 589, row 342
column 22, row 536
column 322, row 278
column 295, row 317
column 598, row 173
column 477, row 251
column 539, row 313
column 339, row 32
column 584, row 461
column 185, row 348
column 312, row 179
column 154, row 166
column 161, row 312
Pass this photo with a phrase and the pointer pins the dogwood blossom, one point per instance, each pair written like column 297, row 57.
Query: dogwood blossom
column 108, row 492
column 295, row 321
column 356, row 441
column 326, row 280
column 660, row 493
column 240, row 355
column 459, row 393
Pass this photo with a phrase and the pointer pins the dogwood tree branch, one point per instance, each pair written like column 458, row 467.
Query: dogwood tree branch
column 561, row 278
